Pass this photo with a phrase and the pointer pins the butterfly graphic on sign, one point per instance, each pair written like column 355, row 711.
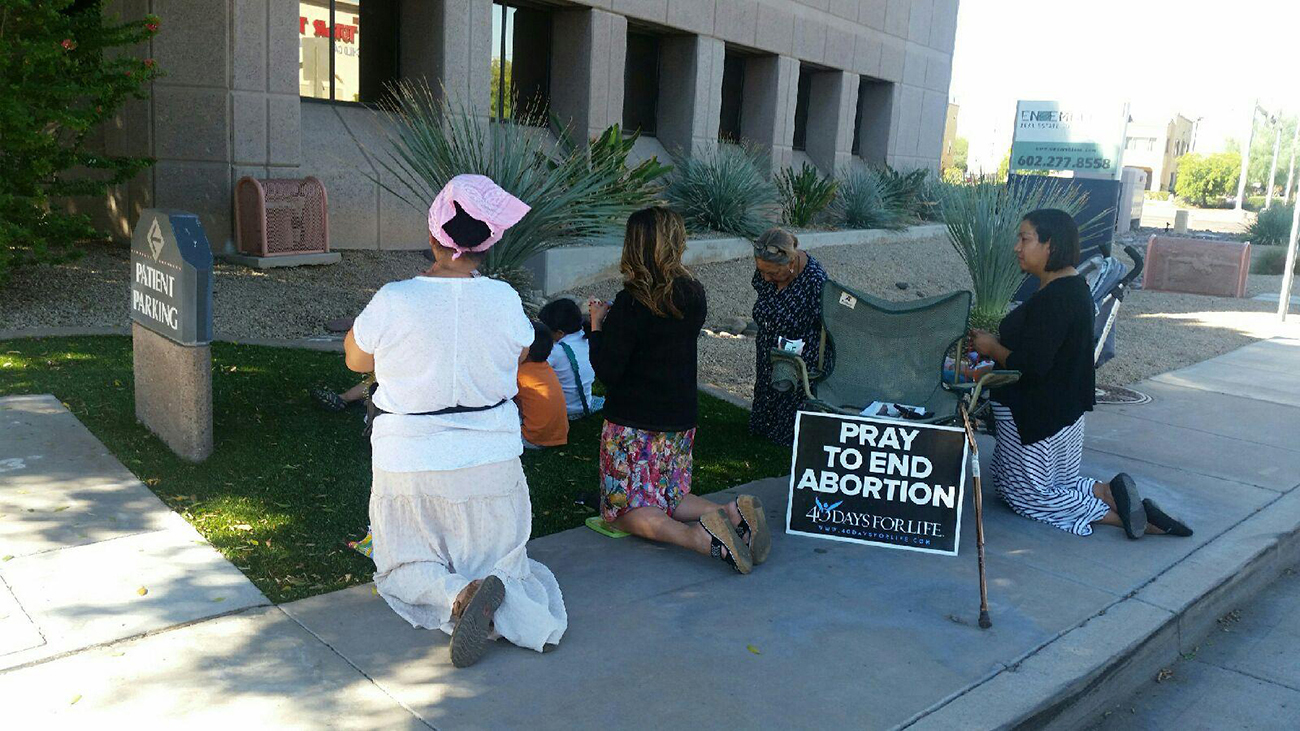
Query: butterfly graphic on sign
column 826, row 508
column 156, row 239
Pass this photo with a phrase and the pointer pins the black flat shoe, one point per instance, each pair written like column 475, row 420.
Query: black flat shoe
column 1128, row 504
column 1162, row 520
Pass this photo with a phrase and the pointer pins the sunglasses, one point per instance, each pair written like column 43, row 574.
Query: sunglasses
column 770, row 249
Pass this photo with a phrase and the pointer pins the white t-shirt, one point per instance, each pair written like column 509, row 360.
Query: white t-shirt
column 560, row 362
column 438, row 343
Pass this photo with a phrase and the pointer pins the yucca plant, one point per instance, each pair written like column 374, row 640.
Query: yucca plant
column 724, row 189
column 428, row 141
column 866, row 200
column 804, row 194
column 983, row 219
column 1272, row 227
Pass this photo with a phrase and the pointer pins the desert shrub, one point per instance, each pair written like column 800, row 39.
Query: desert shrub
column 724, row 189
column 982, row 221
column 1156, row 195
column 65, row 69
column 1205, row 177
column 804, row 194
column 907, row 191
column 576, row 193
column 1272, row 226
column 865, row 201
column 1273, row 261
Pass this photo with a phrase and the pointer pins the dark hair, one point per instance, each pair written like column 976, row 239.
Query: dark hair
column 543, row 342
column 652, row 259
column 1060, row 233
column 466, row 231
column 562, row 315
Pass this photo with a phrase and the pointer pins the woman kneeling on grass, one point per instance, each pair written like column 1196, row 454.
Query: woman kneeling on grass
column 643, row 348
column 449, row 505
column 1040, row 418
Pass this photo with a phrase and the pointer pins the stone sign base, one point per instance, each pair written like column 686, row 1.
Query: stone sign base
column 173, row 392
column 1196, row 266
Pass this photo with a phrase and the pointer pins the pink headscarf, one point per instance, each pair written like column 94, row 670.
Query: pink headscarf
column 480, row 198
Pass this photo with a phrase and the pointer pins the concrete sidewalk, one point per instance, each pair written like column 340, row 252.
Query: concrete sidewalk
column 824, row 634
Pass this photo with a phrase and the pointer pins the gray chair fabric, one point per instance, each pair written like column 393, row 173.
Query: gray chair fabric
column 890, row 351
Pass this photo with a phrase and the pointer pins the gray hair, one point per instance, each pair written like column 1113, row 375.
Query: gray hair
column 777, row 246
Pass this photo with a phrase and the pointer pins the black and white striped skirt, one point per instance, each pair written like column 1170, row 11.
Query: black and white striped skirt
column 1041, row 480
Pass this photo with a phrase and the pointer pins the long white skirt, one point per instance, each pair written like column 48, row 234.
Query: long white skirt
column 435, row 532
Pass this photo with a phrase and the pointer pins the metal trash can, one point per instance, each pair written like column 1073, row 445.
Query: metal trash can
column 281, row 216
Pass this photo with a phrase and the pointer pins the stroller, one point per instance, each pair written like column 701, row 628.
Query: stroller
column 1108, row 280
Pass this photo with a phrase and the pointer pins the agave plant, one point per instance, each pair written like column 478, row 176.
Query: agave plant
column 804, row 194
column 867, row 200
column 982, row 220
column 428, row 141
column 723, row 189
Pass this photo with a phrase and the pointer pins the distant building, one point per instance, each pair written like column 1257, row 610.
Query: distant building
column 946, row 157
column 1156, row 148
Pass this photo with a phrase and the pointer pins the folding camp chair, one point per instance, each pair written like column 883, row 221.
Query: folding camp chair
column 892, row 352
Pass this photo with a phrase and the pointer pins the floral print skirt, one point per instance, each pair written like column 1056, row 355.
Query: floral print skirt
column 640, row 469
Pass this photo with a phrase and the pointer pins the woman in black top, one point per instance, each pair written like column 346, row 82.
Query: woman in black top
column 643, row 349
column 1040, row 418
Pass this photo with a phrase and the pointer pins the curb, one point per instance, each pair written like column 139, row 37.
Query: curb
column 1066, row 682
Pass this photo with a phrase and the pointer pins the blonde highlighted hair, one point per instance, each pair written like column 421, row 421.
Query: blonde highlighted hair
column 652, row 259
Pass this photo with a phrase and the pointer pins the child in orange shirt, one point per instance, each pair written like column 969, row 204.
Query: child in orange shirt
column 541, row 398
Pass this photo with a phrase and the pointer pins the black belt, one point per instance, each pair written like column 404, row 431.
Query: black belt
column 373, row 411
column 440, row 412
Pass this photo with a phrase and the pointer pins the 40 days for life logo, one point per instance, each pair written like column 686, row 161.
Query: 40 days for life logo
column 880, row 482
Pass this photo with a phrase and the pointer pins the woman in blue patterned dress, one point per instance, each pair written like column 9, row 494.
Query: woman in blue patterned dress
column 789, row 305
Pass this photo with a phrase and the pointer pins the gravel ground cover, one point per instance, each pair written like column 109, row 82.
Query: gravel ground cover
column 1157, row 331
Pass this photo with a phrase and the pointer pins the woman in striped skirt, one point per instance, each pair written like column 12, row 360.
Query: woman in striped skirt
column 1040, row 418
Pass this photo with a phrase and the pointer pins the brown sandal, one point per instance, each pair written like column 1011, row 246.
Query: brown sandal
column 723, row 535
column 753, row 527
column 470, row 637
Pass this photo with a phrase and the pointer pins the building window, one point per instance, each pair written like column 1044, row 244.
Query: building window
column 733, row 97
column 801, row 103
column 641, row 83
column 872, row 120
column 333, row 62
column 521, row 63
column 857, row 118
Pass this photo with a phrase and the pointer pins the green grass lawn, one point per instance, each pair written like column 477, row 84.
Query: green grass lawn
column 288, row 483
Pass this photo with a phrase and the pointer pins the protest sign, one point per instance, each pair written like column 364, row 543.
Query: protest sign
column 882, row 482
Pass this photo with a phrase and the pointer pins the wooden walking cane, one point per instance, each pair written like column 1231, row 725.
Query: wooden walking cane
column 985, row 622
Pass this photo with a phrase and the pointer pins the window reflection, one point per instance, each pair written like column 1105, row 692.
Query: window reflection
column 521, row 62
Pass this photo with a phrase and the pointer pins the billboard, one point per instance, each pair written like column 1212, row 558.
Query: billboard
column 1067, row 136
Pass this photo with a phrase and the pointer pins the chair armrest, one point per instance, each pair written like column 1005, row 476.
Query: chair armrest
column 789, row 370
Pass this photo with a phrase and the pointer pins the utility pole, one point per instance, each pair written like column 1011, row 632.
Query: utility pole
column 1245, row 160
column 1288, row 274
column 1290, row 173
column 1272, row 170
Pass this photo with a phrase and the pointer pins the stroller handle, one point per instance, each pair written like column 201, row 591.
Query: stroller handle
column 1138, row 262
